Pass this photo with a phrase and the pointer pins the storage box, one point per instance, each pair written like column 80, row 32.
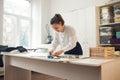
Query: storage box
column 117, row 19
column 118, row 35
column 115, row 41
column 106, row 52
column 117, row 10
column 107, row 14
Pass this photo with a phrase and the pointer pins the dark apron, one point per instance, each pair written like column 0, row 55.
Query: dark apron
column 77, row 50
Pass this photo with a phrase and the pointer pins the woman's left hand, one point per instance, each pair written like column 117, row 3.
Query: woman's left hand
column 57, row 53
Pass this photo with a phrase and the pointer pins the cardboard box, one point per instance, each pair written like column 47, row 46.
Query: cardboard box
column 106, row 52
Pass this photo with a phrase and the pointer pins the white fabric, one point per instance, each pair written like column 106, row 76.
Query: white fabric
column 67, row 39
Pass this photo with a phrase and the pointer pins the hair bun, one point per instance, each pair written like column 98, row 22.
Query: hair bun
column 57, row 15
column 57, row 19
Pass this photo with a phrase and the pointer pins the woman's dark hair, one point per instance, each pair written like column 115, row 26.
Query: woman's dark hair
column 57, row 19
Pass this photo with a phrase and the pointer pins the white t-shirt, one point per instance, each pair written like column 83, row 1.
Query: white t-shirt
column 67, row 39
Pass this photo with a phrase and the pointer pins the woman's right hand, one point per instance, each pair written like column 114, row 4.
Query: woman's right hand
column 51, row 52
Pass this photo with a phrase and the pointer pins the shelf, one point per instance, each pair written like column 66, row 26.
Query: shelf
column 105, row 35
column 108, row 24
column 109, row 44
column 110, row 3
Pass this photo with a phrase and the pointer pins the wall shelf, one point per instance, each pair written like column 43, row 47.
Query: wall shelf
column 109, row 44
column 108, row 25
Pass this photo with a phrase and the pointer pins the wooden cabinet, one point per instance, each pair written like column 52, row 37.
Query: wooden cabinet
column 108, row 25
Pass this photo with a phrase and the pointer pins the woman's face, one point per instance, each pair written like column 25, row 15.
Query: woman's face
column 58, row 27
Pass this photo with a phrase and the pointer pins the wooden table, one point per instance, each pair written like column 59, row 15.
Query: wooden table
column 23, row 67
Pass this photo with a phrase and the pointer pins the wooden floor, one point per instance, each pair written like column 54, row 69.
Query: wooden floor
column 39, row 76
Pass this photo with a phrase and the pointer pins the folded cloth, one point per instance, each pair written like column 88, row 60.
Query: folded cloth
column 4, row 48
column 8, row 49
column 21, row 49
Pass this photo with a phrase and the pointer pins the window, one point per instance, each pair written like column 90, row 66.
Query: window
column 17, row 23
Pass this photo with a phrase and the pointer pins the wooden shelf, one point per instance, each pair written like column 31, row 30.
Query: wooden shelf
column 108, row 24
column 105, row 35
column 108, row 44
column 109, row 4
column 115, row 26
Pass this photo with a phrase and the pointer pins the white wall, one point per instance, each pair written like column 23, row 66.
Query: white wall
column 40, row 17
column 62, row 6
column 36, row 22
column 1, row 21
column 45, row 19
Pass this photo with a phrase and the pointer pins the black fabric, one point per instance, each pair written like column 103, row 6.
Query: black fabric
column 1, row 60
column 8, row 49
column 21, row 49
column 77, row 50
column 3, row 48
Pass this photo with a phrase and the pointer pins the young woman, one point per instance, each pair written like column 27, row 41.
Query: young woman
column 65, row 36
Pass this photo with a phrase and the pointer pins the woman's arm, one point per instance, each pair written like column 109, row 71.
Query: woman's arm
column 55, row 42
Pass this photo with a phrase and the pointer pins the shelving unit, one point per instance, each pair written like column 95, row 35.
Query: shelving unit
column 108, row 25
column 109, row 44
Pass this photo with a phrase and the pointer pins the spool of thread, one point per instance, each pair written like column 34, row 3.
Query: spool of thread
column 50, row 56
